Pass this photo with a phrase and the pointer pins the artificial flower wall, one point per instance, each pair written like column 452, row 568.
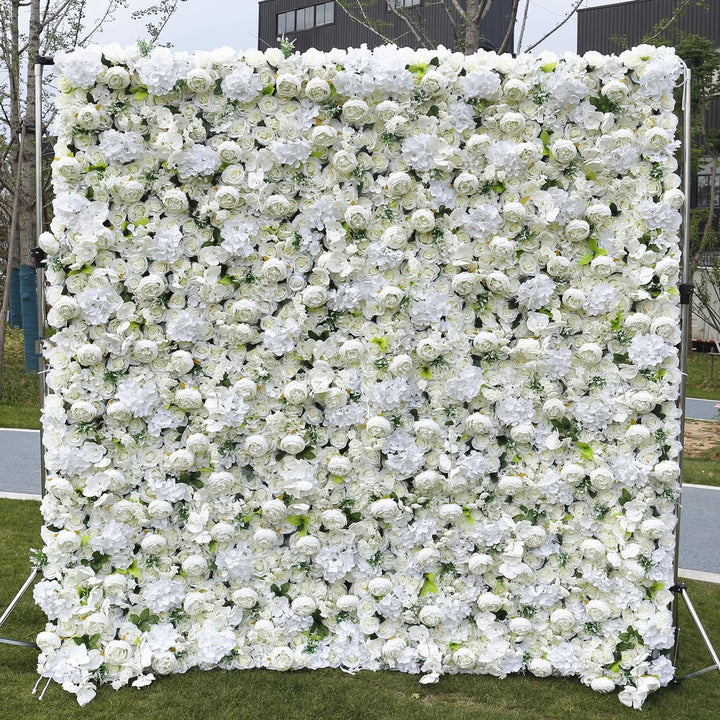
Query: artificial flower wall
column 362, row 359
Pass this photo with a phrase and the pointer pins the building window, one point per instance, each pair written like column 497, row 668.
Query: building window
column 286, row 22
column 306, row 18
column 405, row 3
column 703, row 190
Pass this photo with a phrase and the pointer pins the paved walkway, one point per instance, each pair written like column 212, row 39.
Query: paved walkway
column 701, row 409
column 699, row 527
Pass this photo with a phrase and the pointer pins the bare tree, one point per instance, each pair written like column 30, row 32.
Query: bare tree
column 29, row 28
column 465, row 17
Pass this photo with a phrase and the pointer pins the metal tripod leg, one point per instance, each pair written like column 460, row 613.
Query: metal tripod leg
column 11, row 607
column 681, row 589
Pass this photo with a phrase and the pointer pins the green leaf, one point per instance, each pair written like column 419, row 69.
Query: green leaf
column 301, row 522
column 545, row 137
column 268, row 89
column 428, row 585
column 140, row 93
column 425, row 372
column 586, row 259
column 548, row 67
column 624, row 497
column 468, row 515
column 307, row 454
column 585, row 450
column 381, row 342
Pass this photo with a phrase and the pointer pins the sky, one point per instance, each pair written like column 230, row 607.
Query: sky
column 209, row 24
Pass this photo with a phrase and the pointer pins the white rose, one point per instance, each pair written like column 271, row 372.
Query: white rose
column 195, row 565
column 182, row 361
column 385, row 509
column 220, row 482
column 431, row 615
column 323, row 136
column 450, row 512
column 83, row 411
column 344, row 162
column 378, row 427
column 295, row 392
column 164, row 663
column 393, row 648
column 292, row 444
column 489, row 602
column 245, row 598
column 281, row 659
column 380, row 586
column 153, row 544
column 540, row 667
column 118, row 652
column 395, row 237
column 117, row 78
column 314, row 296
column 318, row 90
column 590, row 353
column 563, row 620
column 520, row 626
column 401, row 365
column 602, row 684
column 602, row 478
column 390, row 297
column 355, row 111
column 308, row 546
column 422, row 220
column 256, row 445
column 427, row 350
column 563, row 151
column 181, row 460
column 577, row 230
column 667, row 471
column 280, row 206
column 303, row 605
column 597, row 610
column 339, row 465
column 274, row 511
column 188, row 399
column 653, row 528
column 399, row 184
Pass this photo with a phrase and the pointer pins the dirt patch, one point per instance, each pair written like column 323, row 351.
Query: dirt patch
column 702, row 439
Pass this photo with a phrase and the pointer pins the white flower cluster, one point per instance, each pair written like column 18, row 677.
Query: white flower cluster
column 362, row 359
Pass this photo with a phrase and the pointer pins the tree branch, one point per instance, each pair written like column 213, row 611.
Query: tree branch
column 575, row 6
column 511, row 27
column 364, row 20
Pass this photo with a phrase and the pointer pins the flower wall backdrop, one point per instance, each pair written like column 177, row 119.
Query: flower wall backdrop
column 362, row 359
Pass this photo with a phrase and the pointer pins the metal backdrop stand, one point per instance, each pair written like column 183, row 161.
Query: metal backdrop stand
column 38, row 256
column 686, row 290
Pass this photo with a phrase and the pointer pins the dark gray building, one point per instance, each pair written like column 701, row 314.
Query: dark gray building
column 612, row 28
column 325, row 25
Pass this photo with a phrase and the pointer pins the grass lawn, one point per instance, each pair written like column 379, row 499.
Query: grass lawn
column 20, row 399
column 703, row 379
column 329, row 694
column 701, row 472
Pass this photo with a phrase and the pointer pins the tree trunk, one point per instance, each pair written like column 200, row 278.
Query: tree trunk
column 472, row 26
column 27, row 231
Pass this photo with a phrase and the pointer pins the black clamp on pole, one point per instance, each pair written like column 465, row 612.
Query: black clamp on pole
column 678, row 587
column 38, row 256
column 686, row 292
column 44, row 60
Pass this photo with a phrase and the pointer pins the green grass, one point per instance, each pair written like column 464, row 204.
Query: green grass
column 329, row 694
column 703, row 380
column 20, row 398
column 701, row 472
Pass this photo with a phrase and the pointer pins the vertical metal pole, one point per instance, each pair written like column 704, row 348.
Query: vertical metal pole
column 40, row 271
column 685, row 308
